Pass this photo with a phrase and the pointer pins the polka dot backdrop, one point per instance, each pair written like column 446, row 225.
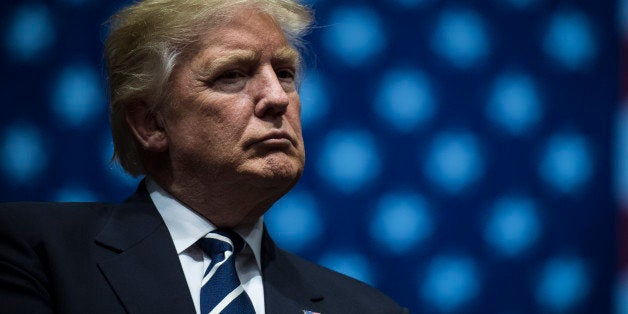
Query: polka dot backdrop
column 463, row 156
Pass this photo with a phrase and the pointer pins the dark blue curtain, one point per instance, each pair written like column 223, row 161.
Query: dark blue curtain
column 459, row 152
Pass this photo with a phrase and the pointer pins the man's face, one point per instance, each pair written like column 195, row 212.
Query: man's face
column 235, row 109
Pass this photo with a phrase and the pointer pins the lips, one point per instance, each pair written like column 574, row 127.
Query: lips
column 274, row 138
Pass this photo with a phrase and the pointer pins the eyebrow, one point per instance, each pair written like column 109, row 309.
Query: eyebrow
column 285, row 55
column 213, row 67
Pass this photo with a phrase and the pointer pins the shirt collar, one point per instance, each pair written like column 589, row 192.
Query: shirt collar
column 186, row 226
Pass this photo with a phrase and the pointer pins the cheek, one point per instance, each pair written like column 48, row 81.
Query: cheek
column 223, row 116
column 294, row 119
column 294, row 113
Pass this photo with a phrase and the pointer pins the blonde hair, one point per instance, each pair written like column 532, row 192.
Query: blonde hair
column 148, row 38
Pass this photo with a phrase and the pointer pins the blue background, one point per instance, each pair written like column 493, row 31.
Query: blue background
column 460, row 153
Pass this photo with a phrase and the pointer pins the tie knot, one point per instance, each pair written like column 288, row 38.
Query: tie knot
column 218, row 242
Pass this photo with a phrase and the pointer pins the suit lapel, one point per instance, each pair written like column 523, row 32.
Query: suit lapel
column 285, row 290
column 146, row 272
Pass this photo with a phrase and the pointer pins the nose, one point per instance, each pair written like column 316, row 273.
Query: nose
column 272, row 99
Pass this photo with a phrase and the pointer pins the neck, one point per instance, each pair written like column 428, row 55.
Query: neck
column 226, row 204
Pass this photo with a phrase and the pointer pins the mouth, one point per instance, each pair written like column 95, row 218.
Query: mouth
column 274, row 139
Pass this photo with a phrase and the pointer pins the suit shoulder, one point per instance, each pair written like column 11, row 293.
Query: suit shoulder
column 51, row 209
column 342, row 286
column 26, row 216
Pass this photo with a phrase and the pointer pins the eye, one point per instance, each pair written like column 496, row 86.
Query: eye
column 230, row 76
column 286, row 75
column 229, row 81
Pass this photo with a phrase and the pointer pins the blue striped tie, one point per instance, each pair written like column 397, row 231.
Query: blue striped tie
column 221, row 291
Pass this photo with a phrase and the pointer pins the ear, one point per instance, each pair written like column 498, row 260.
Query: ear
column 147, row 127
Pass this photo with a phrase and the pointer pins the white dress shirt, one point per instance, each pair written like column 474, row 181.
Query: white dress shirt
column 186, row 227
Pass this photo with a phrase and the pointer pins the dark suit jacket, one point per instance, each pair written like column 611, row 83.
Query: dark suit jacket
column 103, row 258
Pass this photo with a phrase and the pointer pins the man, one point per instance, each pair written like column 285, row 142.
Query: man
column 204, row 102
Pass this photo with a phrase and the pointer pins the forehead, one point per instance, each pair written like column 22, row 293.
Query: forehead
column 247, row 29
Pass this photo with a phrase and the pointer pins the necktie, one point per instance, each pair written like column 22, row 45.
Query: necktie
column 221, row 291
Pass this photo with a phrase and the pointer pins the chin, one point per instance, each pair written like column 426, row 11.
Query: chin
column 276, row 171
column 283, row 171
